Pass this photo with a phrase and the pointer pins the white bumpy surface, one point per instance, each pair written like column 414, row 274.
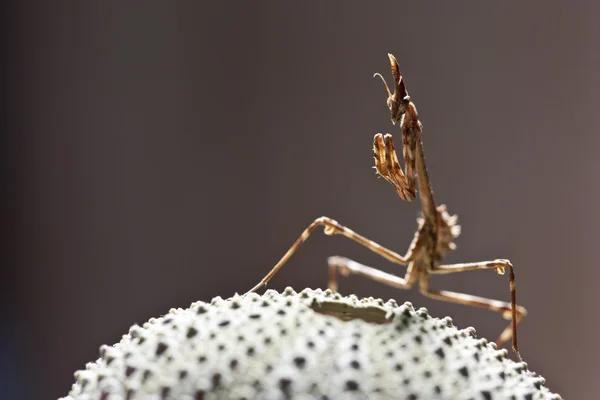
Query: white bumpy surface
column 289, row 346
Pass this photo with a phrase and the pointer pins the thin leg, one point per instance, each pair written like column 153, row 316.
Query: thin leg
column 344, row 266
column 508, row 310
column 332, row 227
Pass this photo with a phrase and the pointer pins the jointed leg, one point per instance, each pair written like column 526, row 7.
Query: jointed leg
column 345, row 267
column 388, row 167
column 508, row 310
column 332, row 227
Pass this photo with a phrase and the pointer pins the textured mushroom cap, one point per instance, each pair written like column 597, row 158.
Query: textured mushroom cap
column 309, row 345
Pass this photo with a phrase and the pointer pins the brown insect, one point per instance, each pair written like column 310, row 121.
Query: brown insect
column 436, row 231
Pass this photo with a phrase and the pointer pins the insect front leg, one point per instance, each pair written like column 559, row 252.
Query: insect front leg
column 388, row 167
column 508, row 310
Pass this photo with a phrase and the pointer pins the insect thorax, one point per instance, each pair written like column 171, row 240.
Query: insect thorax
column 437, row 241
column 447, row 231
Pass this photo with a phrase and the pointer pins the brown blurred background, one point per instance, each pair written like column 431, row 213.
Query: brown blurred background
column 164, row 153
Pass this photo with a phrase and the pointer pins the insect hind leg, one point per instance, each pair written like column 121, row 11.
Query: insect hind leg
column 510, row 310
column 332, row 227
column 345, row 266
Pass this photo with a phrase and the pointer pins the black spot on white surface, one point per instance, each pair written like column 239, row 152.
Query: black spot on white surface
column 277, row 346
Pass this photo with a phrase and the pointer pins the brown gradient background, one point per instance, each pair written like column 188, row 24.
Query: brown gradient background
column 167, row 153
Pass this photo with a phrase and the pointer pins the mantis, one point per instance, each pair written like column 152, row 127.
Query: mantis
column 436, row 230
